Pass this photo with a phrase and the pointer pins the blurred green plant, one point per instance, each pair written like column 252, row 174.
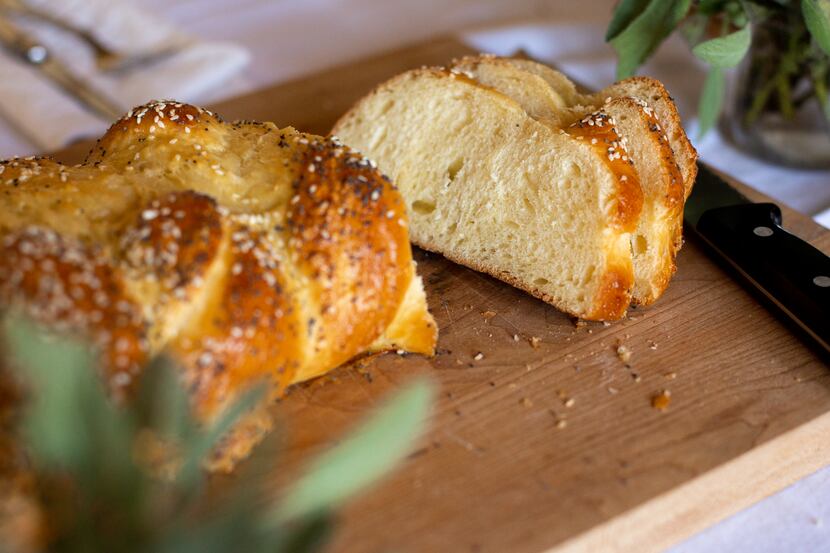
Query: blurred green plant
column 638, row 27
column 97, row 495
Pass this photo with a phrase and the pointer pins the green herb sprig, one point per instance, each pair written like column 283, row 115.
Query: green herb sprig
column 97, row 495
column 638, row 27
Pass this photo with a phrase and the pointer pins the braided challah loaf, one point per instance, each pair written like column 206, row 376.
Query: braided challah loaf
column 245, row 251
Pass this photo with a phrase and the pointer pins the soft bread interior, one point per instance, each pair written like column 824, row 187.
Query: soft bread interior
column 653, row 93
column 657, row 237
column 492, row 188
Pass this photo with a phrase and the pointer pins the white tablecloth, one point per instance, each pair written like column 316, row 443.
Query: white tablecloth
column 292, row 38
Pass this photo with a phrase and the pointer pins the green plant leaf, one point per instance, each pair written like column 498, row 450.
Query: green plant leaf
column 305, row 536
column 645, row 32
column 162, row 403
column 725, row 51
column 201, row 445
column 711, row 100
column 362, row 457
column 61, row 371
column 625, row 12
column 817, row 17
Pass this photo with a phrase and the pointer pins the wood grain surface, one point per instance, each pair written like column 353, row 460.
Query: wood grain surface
column 550, row 441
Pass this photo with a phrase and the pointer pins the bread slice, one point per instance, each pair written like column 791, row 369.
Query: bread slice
column 659, row 231
column 492, row 188
column 654, row 95
column 539, row 99
column 646, row 89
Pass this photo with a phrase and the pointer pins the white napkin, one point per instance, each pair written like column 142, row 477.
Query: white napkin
column 51, row 118
column 579, row 51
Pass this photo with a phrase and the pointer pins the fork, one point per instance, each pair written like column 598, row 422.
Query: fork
column 107, row 60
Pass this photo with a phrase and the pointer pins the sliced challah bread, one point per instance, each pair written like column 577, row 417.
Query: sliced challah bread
column 550, row 211
column 647, row 90
column 659, row 230
column 245, row 251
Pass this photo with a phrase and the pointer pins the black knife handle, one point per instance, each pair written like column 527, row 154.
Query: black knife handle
column 794, row 275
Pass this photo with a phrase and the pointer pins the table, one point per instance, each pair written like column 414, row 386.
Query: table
column 290, row 39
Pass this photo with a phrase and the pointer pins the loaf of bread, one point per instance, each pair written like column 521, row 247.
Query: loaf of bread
column 247, row 252
column 549, row 96
column 524, row 206
column 548, row 210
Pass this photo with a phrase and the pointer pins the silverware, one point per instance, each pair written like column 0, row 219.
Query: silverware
column 33, row 52
column 106, row 59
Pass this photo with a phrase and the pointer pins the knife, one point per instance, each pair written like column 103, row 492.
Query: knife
column 37, row 55
column 791, row 273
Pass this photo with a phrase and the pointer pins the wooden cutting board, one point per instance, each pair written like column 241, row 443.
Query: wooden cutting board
column 550, row 442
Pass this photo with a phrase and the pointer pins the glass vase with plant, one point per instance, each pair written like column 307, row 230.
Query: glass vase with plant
column 777, row 106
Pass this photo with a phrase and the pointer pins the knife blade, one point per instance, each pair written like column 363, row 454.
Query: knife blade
column 34, row 53
column 793, row 275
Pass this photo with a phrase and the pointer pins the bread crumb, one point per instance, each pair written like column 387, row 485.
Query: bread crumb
column 637, row 378
column 515, row 337
column 652, row 344
column 561, row 423
column 661, row 400
column 570, row 402
column 670, row 376
column 623, row 353
column 606, row 323
column 488, row 315
column 526, row 402
column 535, row 341
column 612, row 390
column 478, row 356
column 512, row 385
column 579, row 323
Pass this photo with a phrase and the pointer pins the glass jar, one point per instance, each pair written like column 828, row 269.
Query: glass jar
column 777, row 108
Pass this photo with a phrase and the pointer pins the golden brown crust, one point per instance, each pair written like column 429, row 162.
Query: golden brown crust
column 655, row 94
column 250, row 333
column 73, row 287
column 345, row 218
column 673, row 200
column 661, row 222
column 598, row 129
column 248, row 252
column 614, row 294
